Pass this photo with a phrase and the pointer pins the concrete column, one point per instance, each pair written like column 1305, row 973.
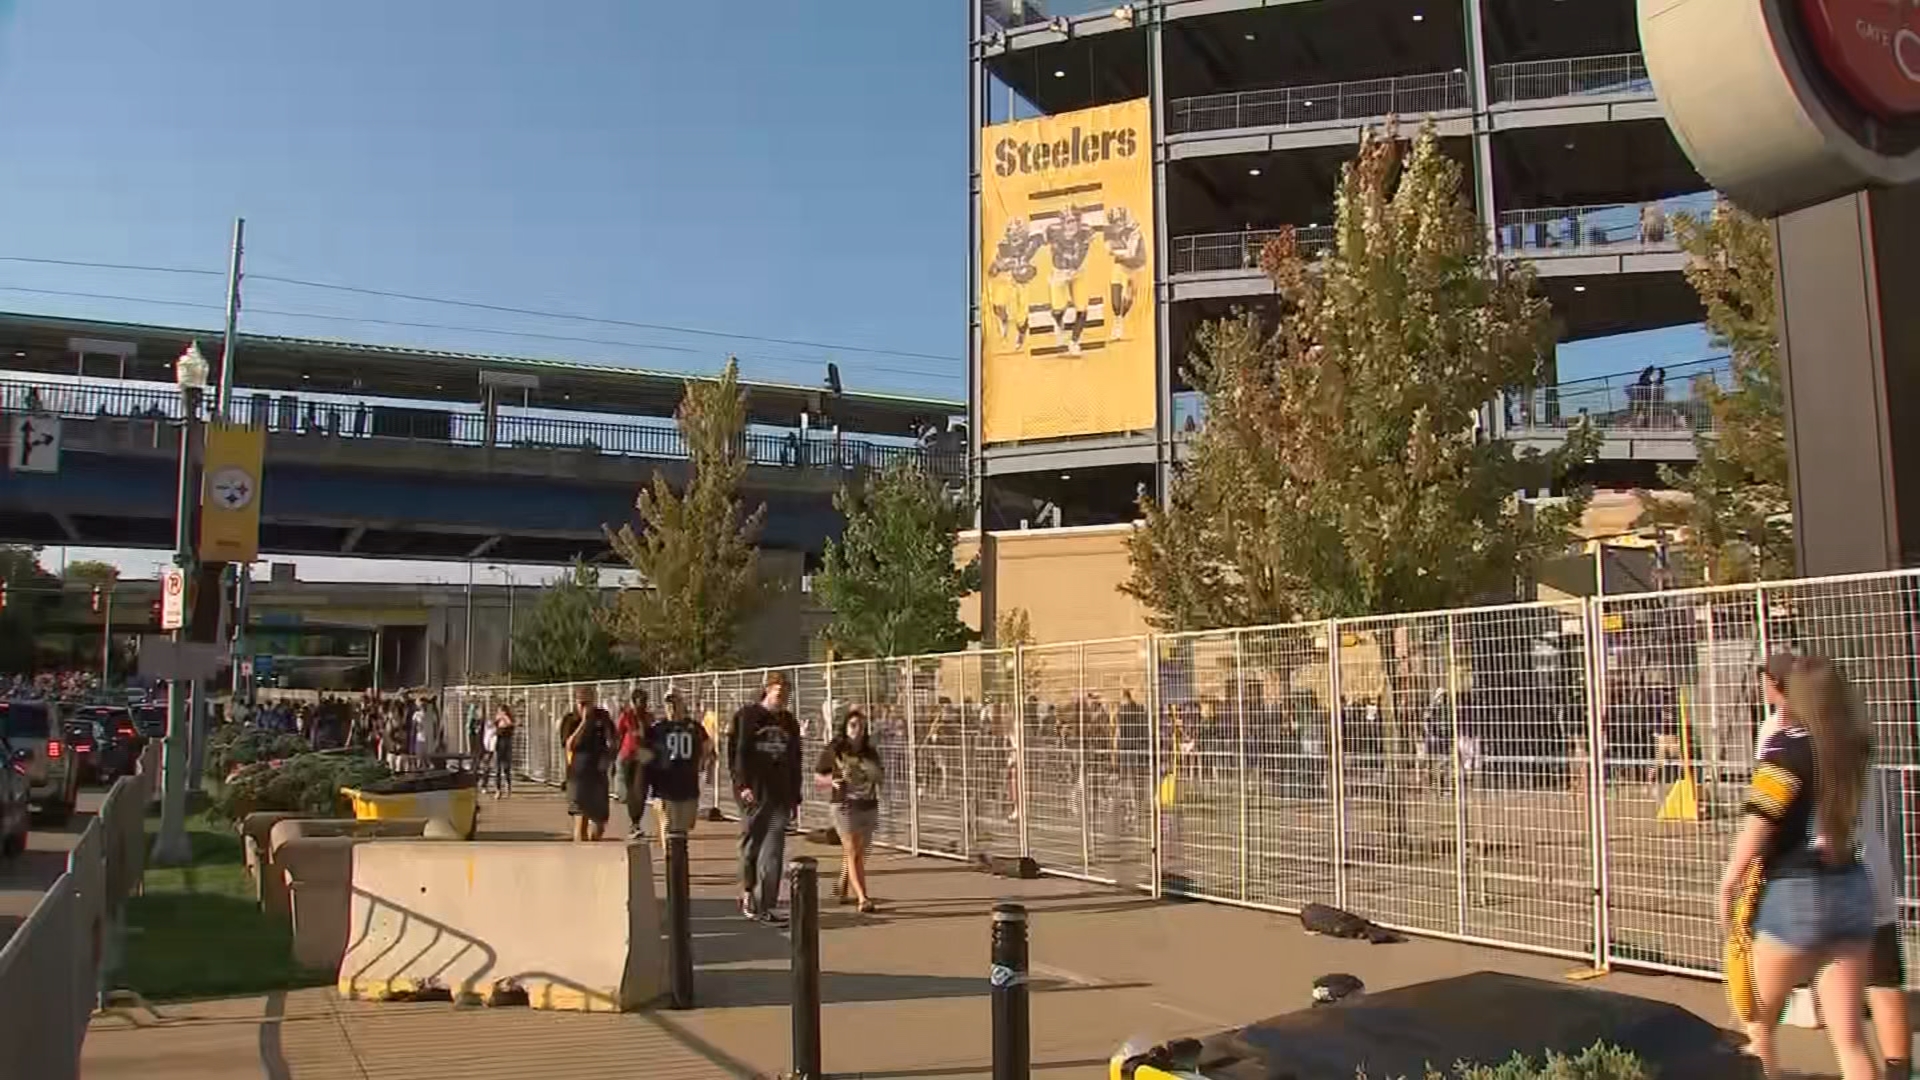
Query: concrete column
column 1850, row 337
column 1478, row 86
column 1163, row 425
column 976, row 121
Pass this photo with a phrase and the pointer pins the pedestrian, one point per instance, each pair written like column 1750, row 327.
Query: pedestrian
column 1815, row 909
column 567, row 723
column 590, row 743
column 766, row 777
column 503, row 728
column 681, row 748
column 632, row 761
column 1887, row 967
column 850, row 766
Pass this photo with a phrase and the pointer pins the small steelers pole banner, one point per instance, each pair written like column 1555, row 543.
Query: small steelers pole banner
column 230, row 494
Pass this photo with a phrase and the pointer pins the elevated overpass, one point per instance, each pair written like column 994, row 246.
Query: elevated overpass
column 407, row 453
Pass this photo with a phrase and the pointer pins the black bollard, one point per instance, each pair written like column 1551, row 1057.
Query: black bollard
column 1007, row 979
column 679, row 924
column 803, row 884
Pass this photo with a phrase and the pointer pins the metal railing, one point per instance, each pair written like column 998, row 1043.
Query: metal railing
column 1201, row 252
column 1669, row 400
column 1297, row 106
column 1013, row 14
column 1570, row 77
column 1605, row 229
column 1562, row 778
column 57, row 965
column 328, row 418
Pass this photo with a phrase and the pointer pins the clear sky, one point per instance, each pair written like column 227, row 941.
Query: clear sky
column 766, row 168
column 771, row 168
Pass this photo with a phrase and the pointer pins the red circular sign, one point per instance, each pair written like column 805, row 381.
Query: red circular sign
column 1872, row 49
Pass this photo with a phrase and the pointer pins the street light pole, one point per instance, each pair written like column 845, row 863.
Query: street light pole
column 508, row 574
column 106, row 637
column 171, row 847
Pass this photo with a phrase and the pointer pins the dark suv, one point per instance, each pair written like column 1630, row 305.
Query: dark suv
column 106, row 740
column 53, row 773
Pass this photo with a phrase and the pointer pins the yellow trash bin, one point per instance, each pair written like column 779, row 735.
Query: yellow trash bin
column 459, row 807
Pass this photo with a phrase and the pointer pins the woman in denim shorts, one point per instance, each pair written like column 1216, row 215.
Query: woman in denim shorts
column 1816, row 910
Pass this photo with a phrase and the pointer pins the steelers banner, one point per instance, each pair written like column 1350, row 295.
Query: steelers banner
column 230, row 493
column 1066, row 283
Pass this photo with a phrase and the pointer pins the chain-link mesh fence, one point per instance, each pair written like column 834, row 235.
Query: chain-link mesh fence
column 1556, row 777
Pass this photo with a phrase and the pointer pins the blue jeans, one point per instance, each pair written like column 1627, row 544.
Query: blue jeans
column 763, row 852
column 1816, row 912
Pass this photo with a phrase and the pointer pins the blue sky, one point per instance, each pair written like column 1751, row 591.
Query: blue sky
column 765, row 168
column 769, row 168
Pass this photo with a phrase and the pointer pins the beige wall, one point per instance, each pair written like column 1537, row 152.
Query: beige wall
column 1067, row 580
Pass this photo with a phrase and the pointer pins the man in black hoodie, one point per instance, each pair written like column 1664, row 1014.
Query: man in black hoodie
column 766, row 776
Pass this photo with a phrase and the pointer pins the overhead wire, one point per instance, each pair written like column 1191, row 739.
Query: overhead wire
column 477, row 305
column 376, row 321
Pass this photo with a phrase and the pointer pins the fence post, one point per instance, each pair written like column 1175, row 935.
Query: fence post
column 1083, row 790
column 1240, row 752
column 1153, row 759
column 913, row 759
column 1336, row 767
column 1596, row 674
column 1460, row 868
column 1020, row 736
column 969, row 704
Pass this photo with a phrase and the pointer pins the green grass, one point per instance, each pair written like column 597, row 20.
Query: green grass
column 196, row 931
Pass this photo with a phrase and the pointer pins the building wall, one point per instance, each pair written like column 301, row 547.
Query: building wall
column 1067, row 580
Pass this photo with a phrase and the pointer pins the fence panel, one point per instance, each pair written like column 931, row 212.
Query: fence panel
column 1287, row 690
column 945, row 699
column 1051, row 723
column 1201, row 831
column 1516, row 701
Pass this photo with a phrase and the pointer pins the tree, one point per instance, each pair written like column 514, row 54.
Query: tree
column 32, row 594
column 695, row 552
column 1736, row 510
column 92, row 572
column 890, row 580
column 565, row 636
column 1339, row 472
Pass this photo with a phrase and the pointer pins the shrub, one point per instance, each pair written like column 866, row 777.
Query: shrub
column 234, row 745
column 1596, row 1062
column 307, row 783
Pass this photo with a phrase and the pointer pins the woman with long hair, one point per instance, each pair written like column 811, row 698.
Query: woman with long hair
column 850, row 766
column 1815, row 912
column 503, row 728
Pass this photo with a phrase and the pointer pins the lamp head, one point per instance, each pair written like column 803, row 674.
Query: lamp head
column 190, row 371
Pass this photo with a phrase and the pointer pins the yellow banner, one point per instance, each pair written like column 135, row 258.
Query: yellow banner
column 1066, row 280
column 230, row 493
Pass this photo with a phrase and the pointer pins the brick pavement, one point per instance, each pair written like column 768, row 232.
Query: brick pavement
column 904, row 990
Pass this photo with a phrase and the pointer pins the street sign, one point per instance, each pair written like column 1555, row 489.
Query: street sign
column 33, row 444
column 164, row 658
column 263, row 666
column 173, row 598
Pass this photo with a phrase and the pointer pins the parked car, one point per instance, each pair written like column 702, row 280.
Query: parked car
column 151, row 719
column 107, row 741
column 53, row 776
column 16, row 808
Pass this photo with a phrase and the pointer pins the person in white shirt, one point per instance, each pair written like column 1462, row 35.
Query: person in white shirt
column 1887, row 973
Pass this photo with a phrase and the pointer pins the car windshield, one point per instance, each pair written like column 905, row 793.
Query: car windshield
column 25, row 720
column 152, row 719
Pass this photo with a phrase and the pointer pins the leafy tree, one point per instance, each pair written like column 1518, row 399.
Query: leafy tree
column 92, row 572
column 1339, row 472
column 32, row 595
column 565, row 636
column 696, row 551
column 1736, row 511
column 890, row 580
column 1013, row 627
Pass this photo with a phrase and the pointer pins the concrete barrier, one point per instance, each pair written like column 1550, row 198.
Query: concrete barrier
column 255, row 829
column 319, row 880
column 273, row 878
column 574, row 926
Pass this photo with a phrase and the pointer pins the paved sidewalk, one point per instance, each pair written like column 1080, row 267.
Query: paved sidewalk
column 904, row 990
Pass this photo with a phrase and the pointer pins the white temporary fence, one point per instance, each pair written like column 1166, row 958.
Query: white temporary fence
column 1558, row 777
column 55, row 966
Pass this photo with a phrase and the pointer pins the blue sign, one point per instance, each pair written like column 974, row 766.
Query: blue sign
column 263, row 666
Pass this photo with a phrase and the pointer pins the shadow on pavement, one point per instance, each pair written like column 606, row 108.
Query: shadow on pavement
column 741, row 987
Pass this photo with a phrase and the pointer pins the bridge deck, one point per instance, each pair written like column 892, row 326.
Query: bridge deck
column 904, row 990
